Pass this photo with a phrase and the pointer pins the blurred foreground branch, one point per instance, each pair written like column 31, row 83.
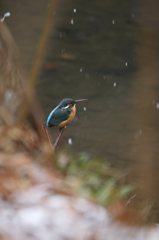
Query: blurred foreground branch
column 12, row 76
column 29, row 100
column 144, row 88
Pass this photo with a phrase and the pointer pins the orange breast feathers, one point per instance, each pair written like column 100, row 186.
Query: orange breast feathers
column 72, row 114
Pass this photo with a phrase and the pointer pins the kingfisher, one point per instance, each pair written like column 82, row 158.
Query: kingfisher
column 61, row 116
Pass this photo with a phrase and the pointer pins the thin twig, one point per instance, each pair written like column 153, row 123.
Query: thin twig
column 48, row 137
column 59, row 136
column 128, row 202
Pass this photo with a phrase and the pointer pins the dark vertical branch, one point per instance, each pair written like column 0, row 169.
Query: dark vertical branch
column 144, row 94
column 29, row 104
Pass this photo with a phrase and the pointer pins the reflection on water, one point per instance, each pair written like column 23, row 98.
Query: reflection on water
column 106, row 52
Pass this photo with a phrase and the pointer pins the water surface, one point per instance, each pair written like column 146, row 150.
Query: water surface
column 106, row 52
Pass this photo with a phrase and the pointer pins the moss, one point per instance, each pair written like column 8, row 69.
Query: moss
column 93, row 178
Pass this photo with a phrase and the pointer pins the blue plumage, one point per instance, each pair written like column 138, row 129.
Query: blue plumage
column 61, row 116
column 50, row 115
column 63, row 113
column 60, row 113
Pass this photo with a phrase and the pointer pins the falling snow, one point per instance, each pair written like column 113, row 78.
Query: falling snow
column 74, row 10
column 113, row 22
column 72, row 22
column 70, row 141
column 157, row 105
column 5, row 15
column 84, row 109
column 115, row 84
column 126, row 64
column 80, row 69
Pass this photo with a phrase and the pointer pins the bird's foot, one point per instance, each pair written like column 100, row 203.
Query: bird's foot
column 63, row 129
column 44, row 125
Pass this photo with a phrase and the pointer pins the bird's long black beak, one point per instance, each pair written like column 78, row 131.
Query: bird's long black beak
column 81, row 100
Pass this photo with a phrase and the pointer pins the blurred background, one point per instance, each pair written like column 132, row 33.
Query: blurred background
column 108, row 52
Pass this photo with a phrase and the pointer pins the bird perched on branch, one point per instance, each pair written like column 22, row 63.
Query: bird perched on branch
column 61, row 116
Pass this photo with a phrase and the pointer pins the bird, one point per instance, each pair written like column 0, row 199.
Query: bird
column 61, row 115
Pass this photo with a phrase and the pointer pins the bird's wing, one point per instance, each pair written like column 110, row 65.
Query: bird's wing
column 58, row 116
